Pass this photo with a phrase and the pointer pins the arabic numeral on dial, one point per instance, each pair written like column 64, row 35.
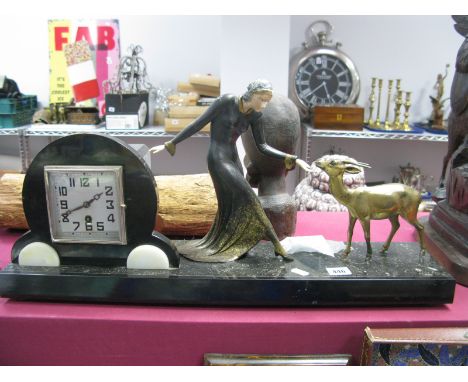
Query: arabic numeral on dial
column 89, row 226
column 72, row 182
column 63, row 191
column 65, row 219
column 84, row 182
column 64, row 205
column 100, row 226
column 111, row 218
column 77, row 225
column 110, row 204
column 109, row 191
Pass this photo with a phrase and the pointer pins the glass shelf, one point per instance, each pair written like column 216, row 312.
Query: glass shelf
column 366, row 134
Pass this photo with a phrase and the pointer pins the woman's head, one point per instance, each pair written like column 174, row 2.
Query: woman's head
column 257, row 86
column 258, row 94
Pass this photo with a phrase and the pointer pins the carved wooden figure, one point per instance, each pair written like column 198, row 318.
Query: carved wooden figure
column 458, row 119
column 447, row 228
column 281, row 125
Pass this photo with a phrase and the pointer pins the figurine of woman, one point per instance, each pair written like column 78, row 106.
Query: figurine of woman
column 240, row 222
column 437, row 116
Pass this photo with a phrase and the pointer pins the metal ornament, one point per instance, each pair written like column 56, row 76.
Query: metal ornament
column 321, row 73
column 387, row 201
column 132, row 77
column 399, row 102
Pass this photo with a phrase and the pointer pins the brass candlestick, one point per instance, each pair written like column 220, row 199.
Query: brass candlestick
column 407, row 106
column 396, row 122
column 398, row 86
column 398, row 103
column 377, row 119
column 387, row 111
column 370, row 121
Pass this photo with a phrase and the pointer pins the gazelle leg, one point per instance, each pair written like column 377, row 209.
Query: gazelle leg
column 395, row 225
column 420, row 229
column 413, row 220
column 366, row 228
column 352, row 222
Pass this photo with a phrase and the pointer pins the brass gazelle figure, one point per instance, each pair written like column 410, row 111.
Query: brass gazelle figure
column 387, row 201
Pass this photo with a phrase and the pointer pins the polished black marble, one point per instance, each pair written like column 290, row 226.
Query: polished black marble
column 401, row 277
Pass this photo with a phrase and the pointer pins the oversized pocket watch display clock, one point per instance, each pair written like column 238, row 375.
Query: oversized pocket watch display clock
column 322, row 74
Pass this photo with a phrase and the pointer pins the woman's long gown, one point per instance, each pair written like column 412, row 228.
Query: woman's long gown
column 240, row 222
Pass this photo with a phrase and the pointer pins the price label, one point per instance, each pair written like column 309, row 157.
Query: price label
column 340, row 271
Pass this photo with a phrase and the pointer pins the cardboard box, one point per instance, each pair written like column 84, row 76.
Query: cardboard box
column 203, row 90
column 338, row 117
column 415, row 347
column 174, row 125
column 121, row 105
column 185, row 98
column 205, row 80
column 186, row 111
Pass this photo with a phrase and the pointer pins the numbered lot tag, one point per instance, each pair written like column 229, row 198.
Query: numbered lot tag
column 340, row 271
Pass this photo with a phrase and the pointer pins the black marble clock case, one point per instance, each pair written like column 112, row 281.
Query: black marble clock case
column 139, row 194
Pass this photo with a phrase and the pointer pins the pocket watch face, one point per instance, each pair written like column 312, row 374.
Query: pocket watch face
column 323, row 79
column 323, row 76
column 85, row 204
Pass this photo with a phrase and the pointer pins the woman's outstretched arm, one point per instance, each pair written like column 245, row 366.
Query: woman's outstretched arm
column 290, row 161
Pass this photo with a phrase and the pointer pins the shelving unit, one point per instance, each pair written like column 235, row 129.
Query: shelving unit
column 311, row 133
column 13, row 131
column 385, row 151
column 366, row 134
column 62, row 130
column 59, row 130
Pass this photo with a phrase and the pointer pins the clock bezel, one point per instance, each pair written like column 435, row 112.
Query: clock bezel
column 299, row 60
column 118, row 171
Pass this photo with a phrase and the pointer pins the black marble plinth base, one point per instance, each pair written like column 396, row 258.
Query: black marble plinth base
column 401, row 277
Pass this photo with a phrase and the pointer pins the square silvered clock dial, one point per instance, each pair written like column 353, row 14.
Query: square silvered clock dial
column 85, row 204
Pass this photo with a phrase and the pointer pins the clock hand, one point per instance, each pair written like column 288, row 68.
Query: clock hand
column 317, row 88
column 85, row 204
column 326, row 90
column 95, row 197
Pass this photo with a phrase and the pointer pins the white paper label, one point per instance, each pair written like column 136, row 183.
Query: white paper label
column 299, row 272
column 340, row 271
column 122, row 122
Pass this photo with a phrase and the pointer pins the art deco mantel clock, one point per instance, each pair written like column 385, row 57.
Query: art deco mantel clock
column 322, row 74
column 91, row 199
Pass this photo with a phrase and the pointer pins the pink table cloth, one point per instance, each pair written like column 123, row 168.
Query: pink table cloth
column 39, row 333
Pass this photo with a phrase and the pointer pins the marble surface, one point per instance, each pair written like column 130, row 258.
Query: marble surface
column 259, row 278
